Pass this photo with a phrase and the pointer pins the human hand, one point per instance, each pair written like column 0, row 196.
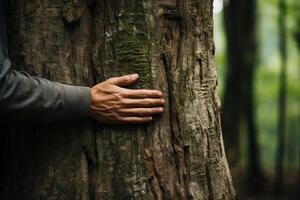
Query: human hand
column 113, row 104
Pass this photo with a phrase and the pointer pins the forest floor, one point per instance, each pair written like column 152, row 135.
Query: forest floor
column 265, row 189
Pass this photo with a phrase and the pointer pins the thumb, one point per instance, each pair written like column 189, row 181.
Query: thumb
column 124, row 80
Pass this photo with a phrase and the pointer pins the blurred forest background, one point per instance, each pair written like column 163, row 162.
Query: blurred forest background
column 257, row 56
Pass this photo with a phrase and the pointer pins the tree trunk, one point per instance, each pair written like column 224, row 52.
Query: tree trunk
column 297, row 39
column 179, row 155
column 279, row 166
column 239, row 101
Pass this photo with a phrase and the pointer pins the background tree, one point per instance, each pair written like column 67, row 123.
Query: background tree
column 170, row 44
column 297, row 39
column 282, row 97
column 238, row 107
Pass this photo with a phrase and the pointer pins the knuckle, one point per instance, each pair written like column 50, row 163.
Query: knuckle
column 111, row 79
column 122, row 111
column 148, row 111
column 124, row 94
column 154, row 93
column 118, row 118
column 154, row 110
column 126, row 78
column 147, row 101
column 151, row 94
column 143, row 94
column 122, row 102
column 118, row 96
column 117, row 107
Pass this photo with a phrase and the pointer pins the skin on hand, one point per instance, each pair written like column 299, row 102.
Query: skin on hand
column 113, row 104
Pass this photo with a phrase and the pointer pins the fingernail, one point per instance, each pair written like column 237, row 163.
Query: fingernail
column 159, row 93
column 150, row 118
column 161, row 109
column 135, row 75
column 162, row 101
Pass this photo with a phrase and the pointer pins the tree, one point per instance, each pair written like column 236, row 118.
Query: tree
column 239, row 105
column 279, row 168
column 297, row 39
column 180, row 155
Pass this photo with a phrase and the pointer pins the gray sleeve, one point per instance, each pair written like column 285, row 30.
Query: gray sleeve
column 30, row 98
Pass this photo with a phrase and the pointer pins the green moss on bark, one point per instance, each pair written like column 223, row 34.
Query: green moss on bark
column 72, row 10
column 131, row 43
column 132, row 56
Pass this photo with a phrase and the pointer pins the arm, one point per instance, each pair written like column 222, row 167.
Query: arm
column 30, row 98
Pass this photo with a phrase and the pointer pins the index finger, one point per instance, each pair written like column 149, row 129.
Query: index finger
column 142, row 93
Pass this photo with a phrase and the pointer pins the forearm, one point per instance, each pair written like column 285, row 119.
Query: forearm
column 30, row 98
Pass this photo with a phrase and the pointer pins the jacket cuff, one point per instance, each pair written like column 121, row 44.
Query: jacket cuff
column 77, row 102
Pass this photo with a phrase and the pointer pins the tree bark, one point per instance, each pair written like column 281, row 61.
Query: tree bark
column 180, row 155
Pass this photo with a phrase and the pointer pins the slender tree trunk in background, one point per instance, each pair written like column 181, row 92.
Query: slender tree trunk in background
column 297, row 39
column 298, row 45
column 240, row 26
column 170, row 44
column 232, row 107
column 282, row 98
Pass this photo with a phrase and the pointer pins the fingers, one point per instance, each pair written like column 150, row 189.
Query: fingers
column 142, row 93
column 136, row 120
column 141, row 112
column 124, row 80
column 129, row 80
column 114, row 104
column 143, row 103
column 123, row 120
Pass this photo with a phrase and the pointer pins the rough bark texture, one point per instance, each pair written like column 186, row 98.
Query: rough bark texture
column 170, row 44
